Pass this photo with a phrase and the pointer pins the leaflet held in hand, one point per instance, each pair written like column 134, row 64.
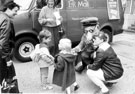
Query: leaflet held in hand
column 57, row 15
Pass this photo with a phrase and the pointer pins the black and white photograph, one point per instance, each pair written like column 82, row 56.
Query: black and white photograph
column 67, row 46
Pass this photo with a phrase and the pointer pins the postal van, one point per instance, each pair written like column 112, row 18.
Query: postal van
column 27, row 27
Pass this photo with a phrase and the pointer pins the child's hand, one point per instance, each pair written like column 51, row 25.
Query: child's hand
column 51, row 57
column 54, row 65
column 48, row 59
column 76, row 50
column 37, row 57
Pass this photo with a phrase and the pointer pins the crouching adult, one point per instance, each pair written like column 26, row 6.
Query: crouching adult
column 106, row 67
column 85, row 47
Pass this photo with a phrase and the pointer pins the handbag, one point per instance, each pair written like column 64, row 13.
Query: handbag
column 10, row 86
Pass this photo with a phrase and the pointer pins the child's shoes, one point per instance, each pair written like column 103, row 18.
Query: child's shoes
column 76, row 87
column 44, row 88
column 47, row 87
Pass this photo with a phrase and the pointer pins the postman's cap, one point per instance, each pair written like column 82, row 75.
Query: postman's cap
column 90, row 21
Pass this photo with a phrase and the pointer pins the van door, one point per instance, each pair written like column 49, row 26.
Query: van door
column 76, row 11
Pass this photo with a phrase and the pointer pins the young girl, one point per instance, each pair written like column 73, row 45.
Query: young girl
column 42, row 56
column 64, row 72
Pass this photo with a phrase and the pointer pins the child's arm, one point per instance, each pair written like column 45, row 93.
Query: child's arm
column 45, row 54
column 47, row 58
column 34, row 52
column 59, row 63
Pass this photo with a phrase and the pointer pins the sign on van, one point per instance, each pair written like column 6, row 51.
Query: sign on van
column 113, row 9
column 78, row 4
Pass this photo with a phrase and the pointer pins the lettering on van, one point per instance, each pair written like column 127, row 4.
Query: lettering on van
column 78, row 3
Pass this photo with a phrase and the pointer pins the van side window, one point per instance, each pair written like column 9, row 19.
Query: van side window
column 40, row 3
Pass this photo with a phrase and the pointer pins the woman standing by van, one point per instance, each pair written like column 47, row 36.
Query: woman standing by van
column 50, row 19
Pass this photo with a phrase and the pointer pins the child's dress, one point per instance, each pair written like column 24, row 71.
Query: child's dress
column 64, row 72
column 42, row 56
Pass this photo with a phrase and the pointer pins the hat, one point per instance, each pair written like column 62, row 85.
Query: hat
column 90, row 21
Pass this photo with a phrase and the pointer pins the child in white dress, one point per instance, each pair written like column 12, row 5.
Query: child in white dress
column 42, row 56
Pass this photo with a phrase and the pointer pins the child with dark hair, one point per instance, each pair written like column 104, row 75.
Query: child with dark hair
column 64, row 72
column 42, row 56
column 106, row 68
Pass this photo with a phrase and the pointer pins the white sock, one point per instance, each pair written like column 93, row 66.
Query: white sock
column 104, row 89
column 68, row 90
column 75, row 84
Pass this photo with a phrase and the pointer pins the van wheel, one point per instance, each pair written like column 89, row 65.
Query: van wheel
column 108, row 35
column 24, row 47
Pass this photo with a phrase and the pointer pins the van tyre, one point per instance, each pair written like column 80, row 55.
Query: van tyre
column 108, row 34
column 24, row 46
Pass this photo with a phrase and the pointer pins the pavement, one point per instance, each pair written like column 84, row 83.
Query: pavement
column 124, row 44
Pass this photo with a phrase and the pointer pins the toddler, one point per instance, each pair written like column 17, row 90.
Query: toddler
column 64, row 72
column 41, row 55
